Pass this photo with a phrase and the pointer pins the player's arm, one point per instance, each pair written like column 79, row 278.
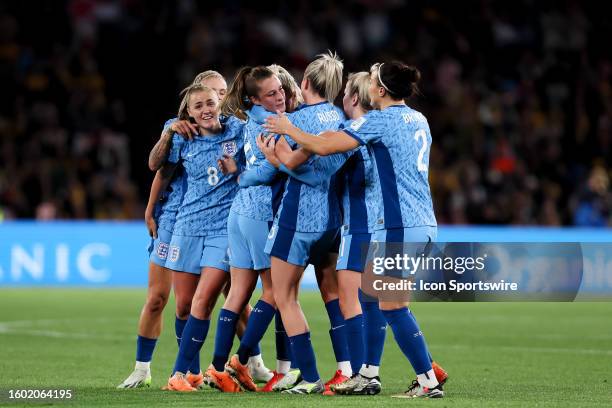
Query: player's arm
column 159, row 153
column 292, row 159
column 287, row 160
column 262, row 172
column 160, row 183
column 323, row 144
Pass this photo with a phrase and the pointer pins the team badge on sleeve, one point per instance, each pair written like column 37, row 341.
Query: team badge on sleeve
column 230, row 148
column 358, row 123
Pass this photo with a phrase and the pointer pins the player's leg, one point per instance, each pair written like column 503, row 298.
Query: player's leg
column 360, row 325
column 349, row 283
column 406, row 331
column 149, row 325
column 286, row 279
column 286, row 374
column 196, row 330
column 256, row 233
column 260, row 319
column 327, row 280
column 256, row 365
column 324, row 256
column 184, row 258
column 184, row 285
column 244, row 281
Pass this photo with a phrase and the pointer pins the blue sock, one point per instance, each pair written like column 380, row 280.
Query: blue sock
column 255, row 351
column 224, row 338
column 409, row 338
column 259, row 320
column 192, row 341
column 144, row 349
column 375, row 331
column 283, row 348
column 301, row 350
column 337, row 331
column 355, row 340
column 179, row 326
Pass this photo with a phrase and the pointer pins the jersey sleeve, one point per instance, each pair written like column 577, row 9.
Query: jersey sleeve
column 169, row 122
column 319, row 170
column 260, row 172
column 327, row 166
column 365, row 129
column 174, row 155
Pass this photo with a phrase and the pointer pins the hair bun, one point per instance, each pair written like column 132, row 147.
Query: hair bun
column 399, row 79
column 412, row 73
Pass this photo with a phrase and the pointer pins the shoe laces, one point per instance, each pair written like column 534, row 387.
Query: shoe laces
column 415, row 384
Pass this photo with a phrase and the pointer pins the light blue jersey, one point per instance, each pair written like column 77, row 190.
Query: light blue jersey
column 209, row 194
column 399, row 141
column 257, row 202
column 307, row 208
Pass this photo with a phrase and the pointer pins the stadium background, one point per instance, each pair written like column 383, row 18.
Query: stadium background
column 519, row 102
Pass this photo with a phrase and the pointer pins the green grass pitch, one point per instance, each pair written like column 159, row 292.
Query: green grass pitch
column 497, row 354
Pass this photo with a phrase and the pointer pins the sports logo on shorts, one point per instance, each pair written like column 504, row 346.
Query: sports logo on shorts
column 230, row 148
column 174, row 253
column 358, row 123
column 162, row 250
column 272, row 232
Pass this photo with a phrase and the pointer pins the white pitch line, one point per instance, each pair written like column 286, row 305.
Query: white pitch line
column 19, row 327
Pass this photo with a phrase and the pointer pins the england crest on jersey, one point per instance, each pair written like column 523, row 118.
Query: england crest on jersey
column 230, row 148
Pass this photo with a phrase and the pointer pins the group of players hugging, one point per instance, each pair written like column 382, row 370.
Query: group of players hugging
column 261, row 180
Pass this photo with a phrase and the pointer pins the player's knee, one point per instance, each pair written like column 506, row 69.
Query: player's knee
column 329, row 293
column 235, row 300
column 156, row 302
column 183, row 309
column 283, row 300
column 268, row 297
column 202, row 308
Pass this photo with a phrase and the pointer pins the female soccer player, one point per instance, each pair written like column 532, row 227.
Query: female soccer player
column 399, row 140
column 160, row 217
column 199, row 239
column 255, row 94
column 305, row 231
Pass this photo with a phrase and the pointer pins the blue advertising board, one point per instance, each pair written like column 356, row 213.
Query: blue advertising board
column 115, row 253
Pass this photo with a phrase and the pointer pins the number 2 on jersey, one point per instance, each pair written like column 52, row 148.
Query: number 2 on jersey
column 421, row 134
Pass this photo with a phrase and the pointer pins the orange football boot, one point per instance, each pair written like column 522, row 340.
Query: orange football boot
column 196, row 380
column 178, row 382
column 222, row 380
column 241, row 373
column 441, row 374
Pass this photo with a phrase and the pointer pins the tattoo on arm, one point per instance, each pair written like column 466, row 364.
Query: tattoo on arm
column 160, row 151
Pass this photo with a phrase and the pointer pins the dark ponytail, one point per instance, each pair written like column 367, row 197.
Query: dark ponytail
column 245, row 84
column 399, row 80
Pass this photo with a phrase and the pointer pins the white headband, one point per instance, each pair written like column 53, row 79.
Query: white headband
column 380, row 79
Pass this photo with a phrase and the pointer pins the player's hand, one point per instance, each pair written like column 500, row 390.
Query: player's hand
column 227, row 165
column 267, row 144
column 278, row 123
column 151, row 225
column 184, row 128
column 282, row 146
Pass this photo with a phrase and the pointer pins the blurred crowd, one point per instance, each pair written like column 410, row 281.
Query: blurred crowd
column 517, row 95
